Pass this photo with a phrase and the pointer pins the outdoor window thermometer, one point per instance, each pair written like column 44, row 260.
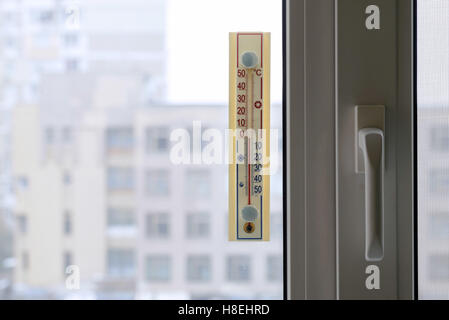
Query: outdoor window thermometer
column 249, row 123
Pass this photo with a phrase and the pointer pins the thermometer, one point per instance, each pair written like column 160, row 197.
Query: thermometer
column 249, row 123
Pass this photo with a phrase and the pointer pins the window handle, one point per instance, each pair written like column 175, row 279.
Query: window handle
column 372, row 145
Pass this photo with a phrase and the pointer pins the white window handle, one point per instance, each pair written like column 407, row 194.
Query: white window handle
column 372, row 144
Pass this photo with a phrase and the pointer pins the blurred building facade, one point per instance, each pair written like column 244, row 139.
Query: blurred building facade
column 102, row 194
column 85, row 178
column 89, row 180
column 433, row 190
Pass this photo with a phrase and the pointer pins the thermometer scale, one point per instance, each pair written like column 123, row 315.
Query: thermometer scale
column 249, row 121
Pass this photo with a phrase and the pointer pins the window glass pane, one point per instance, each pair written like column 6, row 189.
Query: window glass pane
column 238, row 268
column 439, row 225
column 157, row 140
column 198, row 268
column 68, row 225
column 198, row 225
column 157, row 225
column 121, row 223
column 274, row 269
column 157, row 182
column 198, row 183
column 120, row 262
column 22, row 223
column 67, row 260
column 120, row 179
column 158, row 268
column 92, row 100
column 119, row 139
column 433, row 148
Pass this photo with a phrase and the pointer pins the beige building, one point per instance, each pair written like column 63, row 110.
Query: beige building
column 87, row 137
column 96, row 189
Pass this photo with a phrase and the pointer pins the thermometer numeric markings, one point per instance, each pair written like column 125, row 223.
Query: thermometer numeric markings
column 248, row 118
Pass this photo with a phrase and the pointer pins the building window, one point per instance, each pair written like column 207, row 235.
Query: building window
column 68, row 260
column 30, row 92
column 25, row 260
column 439, row 138
column 274, row 268
column 198, row 268
column 121, row 217
column 71, row 40
column 194, row 137
column 157, row 225
column 67, row 178
column 439, row 225
column 49, row 136
column 45, row 16
column 121, row 262
column 149, row 88
column 158, row 268
column 238, row 268
column 120, row 179
column 156, row 140
column 439, row 267
column 157, row 183
column 120, row 139
column 67, row 135
column 439, row 181
column 22, row 224
column 198, row 183
column 198, row 225
column 67, row 225
column 72, row 65
column 22, row 183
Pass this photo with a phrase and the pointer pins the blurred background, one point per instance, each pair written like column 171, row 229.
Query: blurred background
column 433, row 148
column 90, row 205
column 90, row 91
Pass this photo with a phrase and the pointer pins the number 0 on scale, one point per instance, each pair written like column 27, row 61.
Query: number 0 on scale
column 249, row 124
